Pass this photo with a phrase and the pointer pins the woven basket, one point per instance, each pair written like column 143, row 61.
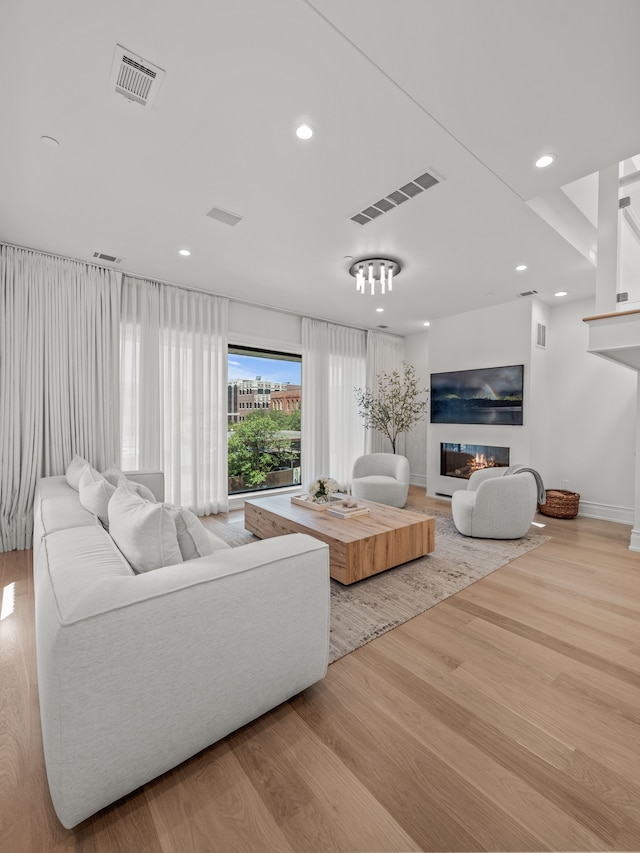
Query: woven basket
column 560, row 504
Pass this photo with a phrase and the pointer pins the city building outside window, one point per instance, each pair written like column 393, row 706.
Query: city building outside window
column 264, row 404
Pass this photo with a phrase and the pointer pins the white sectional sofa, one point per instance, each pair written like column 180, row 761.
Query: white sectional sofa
column 138, row 672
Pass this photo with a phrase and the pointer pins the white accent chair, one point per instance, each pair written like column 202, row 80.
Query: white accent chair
column 381, row 477
column 495, row 505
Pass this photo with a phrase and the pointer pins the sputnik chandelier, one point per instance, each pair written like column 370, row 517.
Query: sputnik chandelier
column 373, row 274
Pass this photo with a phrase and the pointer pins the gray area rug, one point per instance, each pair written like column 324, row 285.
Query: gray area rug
column 367, row 609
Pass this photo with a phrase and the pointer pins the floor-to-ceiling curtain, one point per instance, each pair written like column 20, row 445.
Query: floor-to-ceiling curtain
column 174, row 390
column 385, row 353
column 59, row 327
column 333, row 366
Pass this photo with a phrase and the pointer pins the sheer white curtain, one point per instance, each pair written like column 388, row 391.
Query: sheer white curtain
column 385, row 353
column 59, row 389
column 174, row 390
column 333, row 365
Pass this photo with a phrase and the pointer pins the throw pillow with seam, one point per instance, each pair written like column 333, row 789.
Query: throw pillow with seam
column 145, row 532
column 193, row 538
column 74, row 469
column 115, row 476
column 94, row 493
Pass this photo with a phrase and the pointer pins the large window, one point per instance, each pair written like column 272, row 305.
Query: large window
column 264, row 397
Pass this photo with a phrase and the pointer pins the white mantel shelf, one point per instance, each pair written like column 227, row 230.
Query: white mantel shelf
column 616, row 337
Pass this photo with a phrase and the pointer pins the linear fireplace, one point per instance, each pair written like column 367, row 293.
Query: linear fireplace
column 461, row 460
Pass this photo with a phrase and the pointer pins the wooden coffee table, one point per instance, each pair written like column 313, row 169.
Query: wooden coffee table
column 358, row 547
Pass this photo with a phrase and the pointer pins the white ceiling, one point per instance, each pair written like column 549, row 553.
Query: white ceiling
column 471, row 90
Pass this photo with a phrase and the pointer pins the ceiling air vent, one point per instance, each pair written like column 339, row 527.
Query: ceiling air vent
column 528, row 292
column 110, row 258
column 382, row 327
column 541, row 335
column 224, row 216
column 135, row 78
column 395, row 198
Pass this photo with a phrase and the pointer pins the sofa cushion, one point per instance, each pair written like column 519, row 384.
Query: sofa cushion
column 193, row 538
column 115, row 476
column 75, row 564
column 74, row 469
column 61, row 514
column 95, row 492
column 144, row 532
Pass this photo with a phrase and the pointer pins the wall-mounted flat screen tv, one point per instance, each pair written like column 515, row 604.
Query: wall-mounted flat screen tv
column 486, row 395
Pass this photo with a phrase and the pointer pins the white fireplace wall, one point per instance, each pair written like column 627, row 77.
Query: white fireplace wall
column 491, row 337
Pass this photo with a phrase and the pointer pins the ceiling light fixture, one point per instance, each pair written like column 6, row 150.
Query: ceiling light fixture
column 379, row 310
column 184, row 252
column 545, row 160
column 304, row 131
column 521, row 267
column 561, row 293
column 426, row 323
column 375, row 273
column 50, row 142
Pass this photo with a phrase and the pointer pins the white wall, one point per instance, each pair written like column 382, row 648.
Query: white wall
column 416, row 353
column 592, row 421
column 537, row 410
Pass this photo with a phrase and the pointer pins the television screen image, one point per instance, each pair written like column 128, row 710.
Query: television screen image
column 487, row 395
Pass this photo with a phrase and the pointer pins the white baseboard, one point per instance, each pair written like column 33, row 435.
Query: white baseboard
column 606, row 512
column 418, row 480
column 634, row 544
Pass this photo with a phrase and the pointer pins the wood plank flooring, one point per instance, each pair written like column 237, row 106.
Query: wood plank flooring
column 505, row 718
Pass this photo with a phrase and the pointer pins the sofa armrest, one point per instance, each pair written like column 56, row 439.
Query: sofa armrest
column 153, row 480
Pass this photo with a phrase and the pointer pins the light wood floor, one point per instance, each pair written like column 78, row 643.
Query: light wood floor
column 505, row 718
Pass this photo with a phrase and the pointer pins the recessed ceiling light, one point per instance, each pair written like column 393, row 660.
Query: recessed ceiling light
column 304, row 131
column 521, row 267
column 545, row 160
column 427, row 323
column 561, row 293
column 184, row 252
column 379, row 310
column 50, row 142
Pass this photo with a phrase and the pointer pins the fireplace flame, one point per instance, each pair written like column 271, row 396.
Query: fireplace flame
column 480, row 461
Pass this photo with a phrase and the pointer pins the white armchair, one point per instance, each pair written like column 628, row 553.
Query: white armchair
column 381, row 477
column 495, row 505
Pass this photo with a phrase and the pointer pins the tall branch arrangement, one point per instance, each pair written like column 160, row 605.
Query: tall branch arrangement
column 395, row 406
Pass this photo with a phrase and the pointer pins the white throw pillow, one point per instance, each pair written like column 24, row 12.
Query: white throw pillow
column 74, row 470
column 95, row 492
column 193, row 539
column 115, row 476
column 144, row 532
